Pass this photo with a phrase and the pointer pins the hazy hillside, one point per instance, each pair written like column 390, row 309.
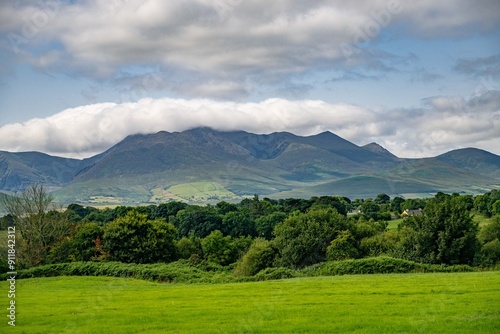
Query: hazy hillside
column 202, row 164
column 473, row 159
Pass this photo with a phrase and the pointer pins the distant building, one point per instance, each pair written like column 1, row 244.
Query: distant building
column 407, row 213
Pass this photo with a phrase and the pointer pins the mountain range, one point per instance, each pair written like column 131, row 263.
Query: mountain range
column 203, row 165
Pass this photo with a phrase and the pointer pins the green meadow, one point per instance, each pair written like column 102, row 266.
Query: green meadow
column 391, row 303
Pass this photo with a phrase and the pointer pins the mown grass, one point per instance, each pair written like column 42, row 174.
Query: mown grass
column 409, row 303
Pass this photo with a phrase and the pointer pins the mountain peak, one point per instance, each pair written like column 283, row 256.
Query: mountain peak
column 378, row 149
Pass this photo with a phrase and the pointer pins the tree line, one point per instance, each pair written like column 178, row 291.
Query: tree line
column 256, row 234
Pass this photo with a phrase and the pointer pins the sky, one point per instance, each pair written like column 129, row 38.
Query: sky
column 419, row 78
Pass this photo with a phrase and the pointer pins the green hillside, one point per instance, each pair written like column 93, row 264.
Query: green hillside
column 153, row 168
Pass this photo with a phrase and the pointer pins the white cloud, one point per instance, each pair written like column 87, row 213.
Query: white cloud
column 226, row 42
column 443, row 124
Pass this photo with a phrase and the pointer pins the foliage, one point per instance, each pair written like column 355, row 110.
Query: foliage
column 259, row 256
column 134, row 238
column 224, row 250
column 174, row 272
column 445, row 233
column 379, row 265
column 237, row 224
column 343, row 247
column 302, row 239
column 265, row 225
column 189, row 247
column 490, row 250
column 200, row 221
column 39, row 229
column 87, row 241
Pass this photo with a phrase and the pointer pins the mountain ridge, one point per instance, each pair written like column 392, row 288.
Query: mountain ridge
column 150, row 168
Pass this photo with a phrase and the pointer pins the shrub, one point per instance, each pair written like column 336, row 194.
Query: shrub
column 342, row 247
column 135, row 239
column 260, row 255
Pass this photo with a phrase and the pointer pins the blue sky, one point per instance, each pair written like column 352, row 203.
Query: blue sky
column 418, row 77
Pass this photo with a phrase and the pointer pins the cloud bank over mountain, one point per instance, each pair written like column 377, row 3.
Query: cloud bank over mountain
column 442, row 123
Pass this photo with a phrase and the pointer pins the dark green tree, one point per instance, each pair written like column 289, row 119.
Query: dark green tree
column 165, row 210
column 396, row 205
column 445, row 233
column 86, row 242
column 302, row 239
column 382, row 199
column 343, row 247
column 217, row 248
column 259, row 256
column 135, row 239
column 238, row 224
column 265, row 225
column 197, row 220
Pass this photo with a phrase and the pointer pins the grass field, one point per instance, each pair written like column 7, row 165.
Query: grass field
column 201, row 191
column 408, row 303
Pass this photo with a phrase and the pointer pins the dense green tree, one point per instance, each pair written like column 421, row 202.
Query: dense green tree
column 302, row 239
column 188, row 247
column 225, row 207
column 396, row 205
column 294, row 204
column 237, row 224
column 259, row 256
column 385, row 243
column 481, row 204
column 87, row 242
column 335, row 202
column 265, row 225
column 489, row 236
column 7, row 220
column 343, row 247
column 103, row 216
column 495, row 208
column 445, row 233
column 490, row 231
column 200, row 221
column 218, row 248
column 382, row 199
column 135, row 239
column 413, row 204
column 166, row 210
column 370, row 209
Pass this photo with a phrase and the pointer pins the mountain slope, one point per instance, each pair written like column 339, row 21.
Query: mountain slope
column 202, row 164
column 19, row 170
column 473, row 159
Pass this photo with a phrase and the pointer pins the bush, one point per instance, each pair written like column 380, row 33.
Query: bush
column 302, row 239
column 489, row 254
column 135, row 239
column 343, row 247
column 175, row 272
column 189, row 247
column 260, row 255
column 378, row 265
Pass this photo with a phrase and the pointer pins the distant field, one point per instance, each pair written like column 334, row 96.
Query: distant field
column 201, row 191
column 393, row 224
column 408, row 303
